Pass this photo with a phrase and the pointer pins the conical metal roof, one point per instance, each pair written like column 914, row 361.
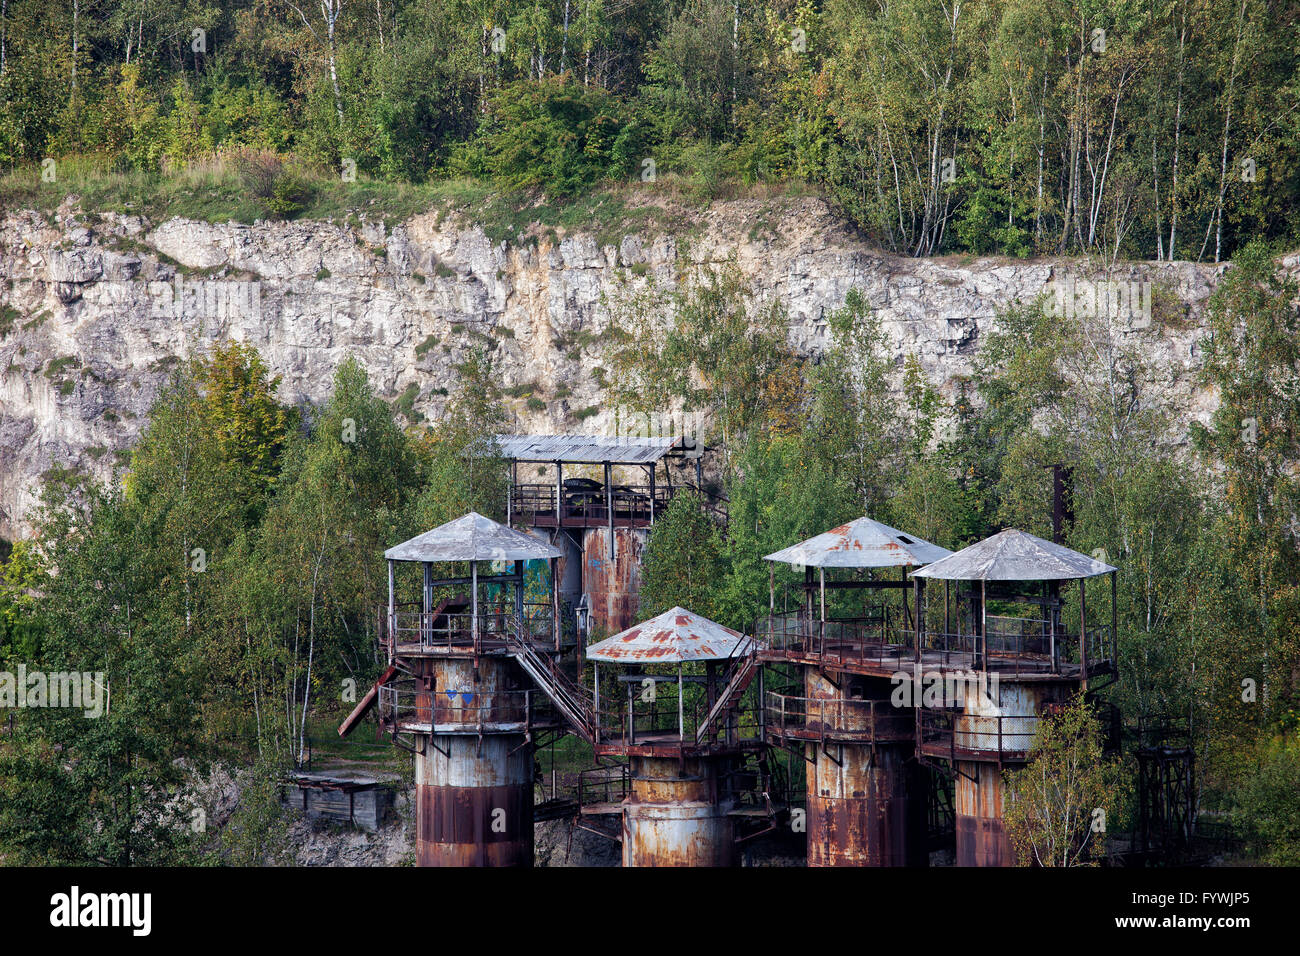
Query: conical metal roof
column 471, row 538
column 1013, row 555
column 674, row 636
column 863, row 543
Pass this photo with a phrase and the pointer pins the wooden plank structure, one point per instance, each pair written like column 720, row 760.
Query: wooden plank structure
column 359, row 801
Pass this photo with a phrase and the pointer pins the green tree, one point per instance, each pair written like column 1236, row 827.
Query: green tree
column 1252, row 357
column 682, row 564
column 461, row 468
column 338, row 505
column 1061, row 805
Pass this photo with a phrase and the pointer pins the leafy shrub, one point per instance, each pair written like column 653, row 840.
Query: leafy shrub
column 281, row 190
column 554, row 135
column 1263, row 801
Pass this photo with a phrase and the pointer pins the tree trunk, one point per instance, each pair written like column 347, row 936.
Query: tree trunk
column 1216, row 220
column 564, row 44
column 1178, row 128
column 76, row 13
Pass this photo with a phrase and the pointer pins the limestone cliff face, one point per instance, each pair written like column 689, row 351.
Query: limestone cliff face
column 95, row 309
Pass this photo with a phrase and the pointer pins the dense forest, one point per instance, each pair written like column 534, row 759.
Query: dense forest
column 1158, row 130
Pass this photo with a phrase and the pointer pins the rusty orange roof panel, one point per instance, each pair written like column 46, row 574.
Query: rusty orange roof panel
column 676, row 636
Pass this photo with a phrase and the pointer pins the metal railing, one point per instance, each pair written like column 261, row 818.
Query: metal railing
column 453, row 709
column 591, row 506
column 605, row 785
column 886, row 641
column 744, row 667
column 880, row 639
column 448, row 631
column 585, row 507
column 841, row 718
column 958, row 736
column 636, row 720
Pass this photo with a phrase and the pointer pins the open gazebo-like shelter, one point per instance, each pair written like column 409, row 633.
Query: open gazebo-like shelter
column 459, row 623
column 862, row 544
column 679, row 637
column 1008, row 567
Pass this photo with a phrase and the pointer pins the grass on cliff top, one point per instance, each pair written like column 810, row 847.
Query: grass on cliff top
column 212, row 191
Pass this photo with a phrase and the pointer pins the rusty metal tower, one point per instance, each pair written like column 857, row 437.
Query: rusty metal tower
column 680, row 726
column 601, row 497
column 866, row 791
column 1014, row 658
column 457, row 691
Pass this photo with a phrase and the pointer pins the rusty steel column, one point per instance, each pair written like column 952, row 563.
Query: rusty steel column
column 978, row 803
column 866, row 805
column 613, row 579
column 473, row 794
column 674, row 816
column 999, row 719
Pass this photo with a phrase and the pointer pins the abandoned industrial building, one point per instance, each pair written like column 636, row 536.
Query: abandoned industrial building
column 702, row 737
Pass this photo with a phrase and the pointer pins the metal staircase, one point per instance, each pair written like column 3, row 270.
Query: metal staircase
column 742, row 675
column 571, row 700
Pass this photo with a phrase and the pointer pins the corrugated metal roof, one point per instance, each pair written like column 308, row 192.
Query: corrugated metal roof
column 471, row 538
column 863, row 543
column 1013, row 555
column 674, row 636
column 586, row 449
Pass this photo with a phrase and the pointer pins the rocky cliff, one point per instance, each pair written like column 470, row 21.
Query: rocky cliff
column 95, row 309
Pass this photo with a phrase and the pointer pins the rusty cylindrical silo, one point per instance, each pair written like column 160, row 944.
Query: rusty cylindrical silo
column 674, row 816
column 998, row 722
column 866, row 804
column 474, row 793
column 978, row 803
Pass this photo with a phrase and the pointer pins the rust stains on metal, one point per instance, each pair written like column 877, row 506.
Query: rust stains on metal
column 862, row 543
column 982, row 838
column 474, row 794
column 673, row 815
column 366, row 702
column 676, row 636
column 475, row 826
column 866, row 804
column 614, row 584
